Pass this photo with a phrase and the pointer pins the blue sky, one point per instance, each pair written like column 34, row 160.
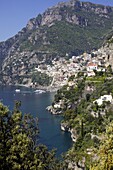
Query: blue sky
column 14, row 14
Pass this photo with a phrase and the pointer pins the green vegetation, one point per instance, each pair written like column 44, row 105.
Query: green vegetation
column 67, row 37
column 109, row 38
column 105, row 152
column 19, row 148
column 64, row 37
column 41, row 79
column 86, row 117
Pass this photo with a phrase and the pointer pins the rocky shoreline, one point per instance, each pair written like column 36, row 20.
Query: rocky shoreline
column 64, row 125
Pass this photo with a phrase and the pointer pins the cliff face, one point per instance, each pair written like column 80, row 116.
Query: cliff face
column 71, row 27
column 106, row 51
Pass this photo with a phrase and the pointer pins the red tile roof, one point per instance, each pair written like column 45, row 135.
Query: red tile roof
column 92, row 64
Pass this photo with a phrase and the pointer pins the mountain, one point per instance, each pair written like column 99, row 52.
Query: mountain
column 69, row 28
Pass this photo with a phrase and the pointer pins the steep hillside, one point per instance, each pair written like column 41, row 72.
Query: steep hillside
column 67, row 28
column 86, row 104
column 106, row 51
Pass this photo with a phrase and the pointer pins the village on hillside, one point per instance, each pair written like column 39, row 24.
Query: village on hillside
column 85, row 65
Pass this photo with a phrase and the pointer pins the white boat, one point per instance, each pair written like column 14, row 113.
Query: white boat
column 17, row 90
column 39, row 91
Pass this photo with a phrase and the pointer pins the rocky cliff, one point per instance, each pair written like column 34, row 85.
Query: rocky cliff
column 105, row 53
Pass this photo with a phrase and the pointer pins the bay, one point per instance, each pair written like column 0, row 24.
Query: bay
column 35, row 104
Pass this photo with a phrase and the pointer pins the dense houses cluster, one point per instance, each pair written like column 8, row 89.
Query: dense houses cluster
column 62, row 69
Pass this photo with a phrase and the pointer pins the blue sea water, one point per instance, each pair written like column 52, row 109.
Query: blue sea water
column 35, row 104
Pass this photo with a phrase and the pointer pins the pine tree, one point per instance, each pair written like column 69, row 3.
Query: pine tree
column 19, row 148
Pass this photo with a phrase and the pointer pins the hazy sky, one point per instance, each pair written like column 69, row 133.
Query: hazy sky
column 14, row 14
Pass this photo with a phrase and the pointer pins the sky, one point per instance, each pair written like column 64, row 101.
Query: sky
column 14, row 14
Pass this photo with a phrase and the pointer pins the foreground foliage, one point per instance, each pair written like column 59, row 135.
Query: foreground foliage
column 19, row 148
column 105, row 152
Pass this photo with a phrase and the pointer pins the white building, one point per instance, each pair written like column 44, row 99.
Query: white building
column 90, row 73
column 91, row 66
column 107, row 98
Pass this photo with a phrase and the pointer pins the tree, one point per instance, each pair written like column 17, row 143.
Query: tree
column 19, row 149
column 109, row 70
column 105, row 153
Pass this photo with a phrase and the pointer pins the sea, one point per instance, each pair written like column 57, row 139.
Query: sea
column 50, row 133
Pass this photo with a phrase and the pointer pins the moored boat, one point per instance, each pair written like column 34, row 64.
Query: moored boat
column 39, row 91
column 17, row 90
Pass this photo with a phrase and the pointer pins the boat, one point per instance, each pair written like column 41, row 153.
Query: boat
column 17, row 90
column 39, row 91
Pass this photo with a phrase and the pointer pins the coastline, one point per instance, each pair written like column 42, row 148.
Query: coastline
column 46, row 88
column 36, row 106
